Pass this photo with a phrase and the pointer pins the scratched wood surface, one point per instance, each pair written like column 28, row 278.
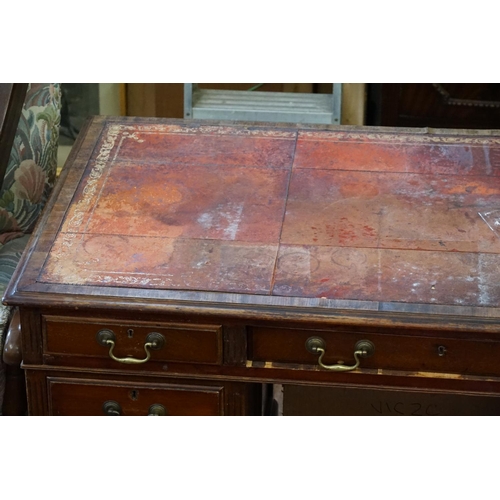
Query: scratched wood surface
column 284, row 212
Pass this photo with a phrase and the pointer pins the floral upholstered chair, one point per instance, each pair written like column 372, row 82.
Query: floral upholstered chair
column 28, row 181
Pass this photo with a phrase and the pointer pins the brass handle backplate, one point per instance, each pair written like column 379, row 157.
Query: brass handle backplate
column 157, row 410
column 111, row 408
column 362, row 349
column 154, row 341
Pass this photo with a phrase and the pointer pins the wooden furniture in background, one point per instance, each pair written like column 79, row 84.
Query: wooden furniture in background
column 223, row 257
column 167, row 99
column 445, row 105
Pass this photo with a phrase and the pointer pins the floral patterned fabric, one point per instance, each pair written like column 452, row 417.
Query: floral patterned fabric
column 30, row 176
column 31, row 170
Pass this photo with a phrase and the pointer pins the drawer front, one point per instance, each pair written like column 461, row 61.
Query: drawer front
column 188, row 343
column 90, row 397
column 341, row 401
column 392, row 352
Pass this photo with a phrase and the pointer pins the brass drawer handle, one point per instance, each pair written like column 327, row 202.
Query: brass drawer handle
column 157, row 410
column 112, row 408
column 362, row 349
column 154, row 341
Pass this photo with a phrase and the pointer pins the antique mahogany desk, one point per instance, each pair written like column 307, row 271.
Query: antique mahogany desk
column 181, row 265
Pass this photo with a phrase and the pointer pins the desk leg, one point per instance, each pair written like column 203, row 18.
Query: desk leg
column 14, row 402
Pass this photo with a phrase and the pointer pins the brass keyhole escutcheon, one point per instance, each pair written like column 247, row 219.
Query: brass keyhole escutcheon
column 441, row 350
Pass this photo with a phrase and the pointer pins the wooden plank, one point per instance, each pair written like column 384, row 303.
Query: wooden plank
column 141, row 99
column 298, row 87
column 353, row 103
column 123, row 99
column 169, row 100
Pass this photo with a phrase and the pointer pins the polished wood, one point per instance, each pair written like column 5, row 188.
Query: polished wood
column 12, row 351
column 14, row 402
column 83, row 397
column 235, row 344
column 400, row 351
column 68, row 393
column 78, row 337
column 239, row 242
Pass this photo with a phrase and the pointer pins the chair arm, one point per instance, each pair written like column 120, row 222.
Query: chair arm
column 12, row 352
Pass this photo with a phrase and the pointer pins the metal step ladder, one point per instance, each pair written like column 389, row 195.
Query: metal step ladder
column 243, row 105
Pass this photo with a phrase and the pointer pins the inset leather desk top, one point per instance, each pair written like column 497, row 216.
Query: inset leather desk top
column 364, row 215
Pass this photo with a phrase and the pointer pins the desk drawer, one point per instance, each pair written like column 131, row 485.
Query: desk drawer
column 188, row 343
column 342, row 401
column 92, row 397
column 401, row 352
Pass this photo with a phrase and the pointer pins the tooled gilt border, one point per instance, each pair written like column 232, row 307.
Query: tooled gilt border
column 400, row 138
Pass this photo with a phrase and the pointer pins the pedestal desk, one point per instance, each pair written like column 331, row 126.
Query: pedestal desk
column 181, row 265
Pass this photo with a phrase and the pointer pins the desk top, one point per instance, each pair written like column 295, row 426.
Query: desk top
column 275, row 215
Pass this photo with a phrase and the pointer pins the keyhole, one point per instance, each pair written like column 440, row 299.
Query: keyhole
column 134, row 395
column 441, row 350
column 130, row 333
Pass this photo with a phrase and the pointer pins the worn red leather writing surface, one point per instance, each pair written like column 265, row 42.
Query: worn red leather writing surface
column 394, row 217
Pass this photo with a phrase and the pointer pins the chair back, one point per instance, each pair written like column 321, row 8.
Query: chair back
column 12, row 97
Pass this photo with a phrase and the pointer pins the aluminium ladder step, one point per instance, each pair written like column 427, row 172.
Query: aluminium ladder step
column 262, row 106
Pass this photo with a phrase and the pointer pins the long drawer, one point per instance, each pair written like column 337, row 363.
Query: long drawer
column 401, row 351
column 107, row 397
column 325, row 401
column 119, row 343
